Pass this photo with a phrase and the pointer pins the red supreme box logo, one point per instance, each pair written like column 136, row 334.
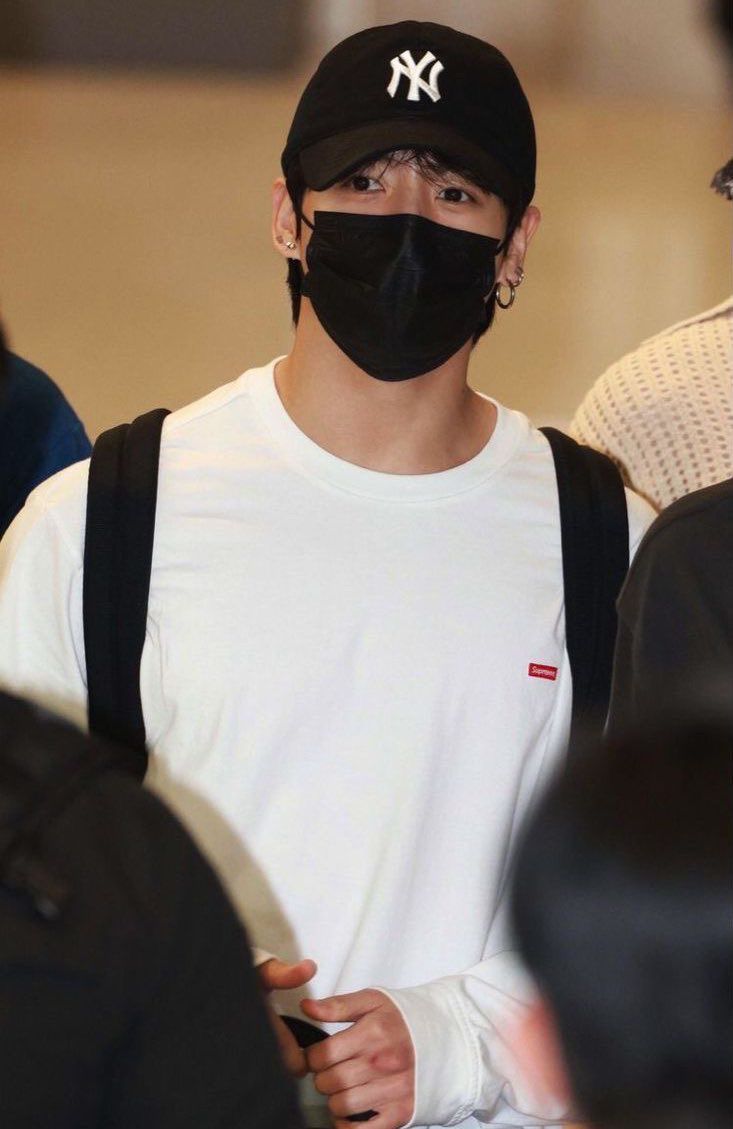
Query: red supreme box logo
column 539, row 670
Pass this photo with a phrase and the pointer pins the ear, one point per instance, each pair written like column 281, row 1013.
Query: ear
column 535, row 1044
column 513, row 261
column 284, row 221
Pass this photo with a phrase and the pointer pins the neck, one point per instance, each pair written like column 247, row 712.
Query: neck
column 419, row 426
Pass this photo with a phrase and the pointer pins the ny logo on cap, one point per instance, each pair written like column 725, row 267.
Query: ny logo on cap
column 404, row 64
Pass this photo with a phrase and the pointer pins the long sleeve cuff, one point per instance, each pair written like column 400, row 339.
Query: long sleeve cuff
column 260, row 956
column 464, row 1061
column 447, row 1062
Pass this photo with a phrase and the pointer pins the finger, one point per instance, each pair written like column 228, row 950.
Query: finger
column 343, row 1009
column 379, row 1095
column 359, row 1070
column 275, row 973
column 339, row 1048
column 355, row 1072
column 391, row 1117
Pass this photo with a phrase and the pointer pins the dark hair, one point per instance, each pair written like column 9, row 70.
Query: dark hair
column 621, row 905
column 431, row 166
column 722, row 14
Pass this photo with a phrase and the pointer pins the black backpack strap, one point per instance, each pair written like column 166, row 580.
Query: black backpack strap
column 118, row 553
column 595, row 551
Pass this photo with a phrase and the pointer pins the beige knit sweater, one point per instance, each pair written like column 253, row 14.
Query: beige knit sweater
column 665, row 411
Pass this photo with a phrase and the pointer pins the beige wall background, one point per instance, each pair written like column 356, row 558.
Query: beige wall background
column 658, row 48
column 135, row 263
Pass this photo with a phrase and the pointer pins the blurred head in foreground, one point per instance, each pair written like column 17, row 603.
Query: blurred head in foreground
column 621, row 902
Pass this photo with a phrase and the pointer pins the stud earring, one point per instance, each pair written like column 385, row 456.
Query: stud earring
column 290, row 244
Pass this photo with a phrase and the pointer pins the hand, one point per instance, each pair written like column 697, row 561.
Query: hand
column 369, row 1066
column 275, row 974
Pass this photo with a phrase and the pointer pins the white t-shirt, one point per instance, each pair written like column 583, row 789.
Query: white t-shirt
column 665, row 411
column 336, row 689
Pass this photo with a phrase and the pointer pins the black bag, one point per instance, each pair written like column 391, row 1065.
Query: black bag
column 118, row 552
column 44, row 766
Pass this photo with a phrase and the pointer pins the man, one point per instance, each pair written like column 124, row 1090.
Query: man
column 355, row 672
column 675, row 623
column 127, row 997
column 621, row 905
column 664, row 413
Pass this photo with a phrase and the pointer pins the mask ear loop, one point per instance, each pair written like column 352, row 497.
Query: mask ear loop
column 303, row 276
column 501, row 245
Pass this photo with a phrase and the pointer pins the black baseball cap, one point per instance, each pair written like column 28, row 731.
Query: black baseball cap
column 415, row 85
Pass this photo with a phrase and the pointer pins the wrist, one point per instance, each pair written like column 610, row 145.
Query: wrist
column 447, row 1057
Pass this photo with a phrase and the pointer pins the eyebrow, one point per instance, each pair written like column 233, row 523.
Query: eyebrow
column 379, row 165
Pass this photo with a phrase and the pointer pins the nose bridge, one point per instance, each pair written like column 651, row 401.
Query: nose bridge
column 411, row 193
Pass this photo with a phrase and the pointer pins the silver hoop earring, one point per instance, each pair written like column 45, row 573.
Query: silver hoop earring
column 512, row 293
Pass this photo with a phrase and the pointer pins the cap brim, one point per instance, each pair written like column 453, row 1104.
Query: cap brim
column 324, row 162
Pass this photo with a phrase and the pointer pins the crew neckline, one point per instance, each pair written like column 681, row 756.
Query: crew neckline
column 312, row 460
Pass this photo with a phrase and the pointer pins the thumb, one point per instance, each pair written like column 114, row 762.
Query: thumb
column 343, row 1009
column 275, row 973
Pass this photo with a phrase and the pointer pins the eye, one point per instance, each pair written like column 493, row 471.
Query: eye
column 452, row 194
column 360, row 182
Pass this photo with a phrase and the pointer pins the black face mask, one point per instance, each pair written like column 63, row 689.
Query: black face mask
column 398, row 294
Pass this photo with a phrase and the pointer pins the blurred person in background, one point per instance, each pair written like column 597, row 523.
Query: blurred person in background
column 621, row 899
column 127, row 994
column 675, row 613
column 664, row 413
column 39, row 432
column 355, row 670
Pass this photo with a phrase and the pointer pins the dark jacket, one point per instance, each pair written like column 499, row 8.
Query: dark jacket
column 674, row 651
column 127, row 993
column 39, row 434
